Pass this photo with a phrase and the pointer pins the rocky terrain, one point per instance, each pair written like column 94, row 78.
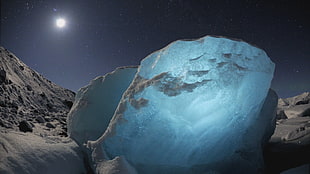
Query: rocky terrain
column 289, row 146
column 28, row 101
column 33, row 129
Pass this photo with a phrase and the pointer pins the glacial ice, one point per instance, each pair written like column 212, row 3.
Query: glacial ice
column 95, row 104
column 195, row 106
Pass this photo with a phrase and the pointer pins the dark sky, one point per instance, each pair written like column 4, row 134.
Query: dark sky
column 101, row 35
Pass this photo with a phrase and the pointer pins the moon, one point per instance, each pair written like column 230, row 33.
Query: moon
column 60, row 22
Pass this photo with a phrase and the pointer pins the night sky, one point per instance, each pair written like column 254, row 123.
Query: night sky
column 101, row 35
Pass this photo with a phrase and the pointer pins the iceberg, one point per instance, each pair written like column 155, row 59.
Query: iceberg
column 195, row 106
column 95, row 104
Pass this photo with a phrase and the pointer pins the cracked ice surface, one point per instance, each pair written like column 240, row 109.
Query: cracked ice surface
column 193, row 103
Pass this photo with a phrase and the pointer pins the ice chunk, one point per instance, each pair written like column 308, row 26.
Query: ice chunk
column 95, row 104
column 195, row 107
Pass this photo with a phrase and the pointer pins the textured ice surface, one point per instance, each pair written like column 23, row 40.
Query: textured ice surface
column 95, row 104
column 195, row 106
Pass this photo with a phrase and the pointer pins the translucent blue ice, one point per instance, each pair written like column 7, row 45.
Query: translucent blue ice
column 95, row 104
column 195, row 105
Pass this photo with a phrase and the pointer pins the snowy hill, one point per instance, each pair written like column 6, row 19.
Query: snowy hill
column 30, row 102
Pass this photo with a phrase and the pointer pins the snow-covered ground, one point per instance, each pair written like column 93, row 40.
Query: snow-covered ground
column 27, row 153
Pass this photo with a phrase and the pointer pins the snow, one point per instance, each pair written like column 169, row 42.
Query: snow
column 195, row 104
column 26, row 153
column 95, row 104
column 118, row 165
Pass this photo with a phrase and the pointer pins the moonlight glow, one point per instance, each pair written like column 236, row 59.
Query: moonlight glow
column 60, row 23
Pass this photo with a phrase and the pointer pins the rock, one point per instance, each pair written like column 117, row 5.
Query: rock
column 3, row 76
column 193, row 107
column 63, row 133
column 298, row 111
column 281, row 114
column 95, row 104
column 2, row 103
column 291, row 129
column 13, row 110
column 21, row 68
column 42, row 94
column 293, row 107
column 69, row 104
column 299, row 99
column 14, row 105
column 50, row 125
column 293, row 101
column 50, row 107
column 4, row 115
column 47, row 118
column 24, row 126
column 28, row 87
column 21, row 113
column 289, row 146
column 2, row 123
column 303, row 102
column 40, row 119
column 62, row 120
